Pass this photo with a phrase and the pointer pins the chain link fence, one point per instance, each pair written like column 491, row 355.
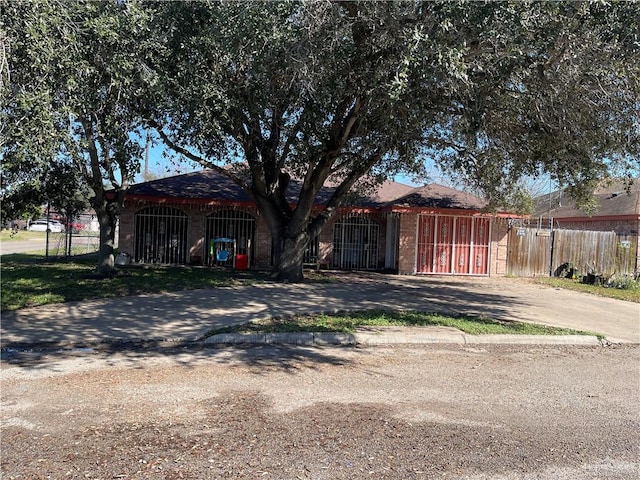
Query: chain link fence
column 68, row 244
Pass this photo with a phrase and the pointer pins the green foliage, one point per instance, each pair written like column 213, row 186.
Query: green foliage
column 72, row 69
column 626, row 282
column 74, row 81
column 552, row 88
column 61, row 187
column 631, row 294
column 355, row 91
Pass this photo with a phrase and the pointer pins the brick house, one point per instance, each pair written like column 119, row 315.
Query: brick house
column 617, row 210
column 192, row 218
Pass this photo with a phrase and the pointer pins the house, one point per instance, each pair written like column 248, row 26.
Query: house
column 617, row 209
column 192, row 218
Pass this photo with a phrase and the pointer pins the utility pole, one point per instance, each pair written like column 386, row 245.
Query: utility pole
column 146, row 157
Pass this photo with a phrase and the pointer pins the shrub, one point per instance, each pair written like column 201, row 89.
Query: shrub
column 625, row 282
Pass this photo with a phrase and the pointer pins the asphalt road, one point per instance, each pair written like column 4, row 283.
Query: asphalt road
column 22, row 246
column 496, row 412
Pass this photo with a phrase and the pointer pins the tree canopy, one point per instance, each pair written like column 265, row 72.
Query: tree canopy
column 349, row 93
column 73, row 82
column 353, row 91
column 551, row 88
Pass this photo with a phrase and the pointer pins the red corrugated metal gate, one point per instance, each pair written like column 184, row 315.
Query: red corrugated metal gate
column 450, row 245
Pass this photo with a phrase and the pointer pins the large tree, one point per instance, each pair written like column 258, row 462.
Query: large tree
column 72, row 84
column 314, row 92
column 553, row 90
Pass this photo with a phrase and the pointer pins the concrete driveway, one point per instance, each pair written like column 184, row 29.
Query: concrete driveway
column 191, row 314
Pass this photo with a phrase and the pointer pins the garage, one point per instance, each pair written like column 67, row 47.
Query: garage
column 453, row 245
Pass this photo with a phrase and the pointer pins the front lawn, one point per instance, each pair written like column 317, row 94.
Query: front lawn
column 27, row 280
column 19, row 235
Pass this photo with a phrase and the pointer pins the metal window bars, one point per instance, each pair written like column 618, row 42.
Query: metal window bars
column 231, row 224
column 161, row 235
column 355, row 243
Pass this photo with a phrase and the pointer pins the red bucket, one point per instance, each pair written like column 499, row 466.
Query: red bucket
column 242, row 262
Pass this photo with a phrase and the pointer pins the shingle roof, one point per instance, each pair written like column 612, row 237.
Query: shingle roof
column 390, row 191
column 439, row 196
column 208, row 185
column 612, row 200
column 201, row 185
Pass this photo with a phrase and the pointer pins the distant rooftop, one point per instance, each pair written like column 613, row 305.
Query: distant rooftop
column 439, row 196
column 612, row 200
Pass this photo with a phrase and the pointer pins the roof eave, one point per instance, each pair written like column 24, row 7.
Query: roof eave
column 187, row 201
column 450, row 211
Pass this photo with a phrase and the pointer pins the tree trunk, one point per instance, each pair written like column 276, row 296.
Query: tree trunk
column 107, row 210
column 288, row 257
column 106, row 257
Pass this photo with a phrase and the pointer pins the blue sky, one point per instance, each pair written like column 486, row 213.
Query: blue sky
column 163, row 165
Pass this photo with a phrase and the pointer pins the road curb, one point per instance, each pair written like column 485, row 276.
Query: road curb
column 320, row 339
column 534, row 339
column 372, row 339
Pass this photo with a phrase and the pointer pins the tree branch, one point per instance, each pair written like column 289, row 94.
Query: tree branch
column 196, row 158
column 95, row 178
column 343, row 189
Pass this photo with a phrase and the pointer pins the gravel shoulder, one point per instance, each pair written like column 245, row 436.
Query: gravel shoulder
column 285, row 412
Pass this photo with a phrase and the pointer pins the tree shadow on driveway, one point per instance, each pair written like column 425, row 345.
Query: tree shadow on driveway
column 190, row 315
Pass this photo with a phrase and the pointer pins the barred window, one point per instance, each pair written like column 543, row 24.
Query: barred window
column 355, row 243
column 235, row 225
column 161, row 235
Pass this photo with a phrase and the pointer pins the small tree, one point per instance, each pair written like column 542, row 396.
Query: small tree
column 73, row 80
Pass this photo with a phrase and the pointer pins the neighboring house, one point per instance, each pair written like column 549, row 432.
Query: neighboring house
column 198, row 218
column 617, row 209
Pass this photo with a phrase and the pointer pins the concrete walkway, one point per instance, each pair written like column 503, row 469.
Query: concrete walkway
column 190, row 315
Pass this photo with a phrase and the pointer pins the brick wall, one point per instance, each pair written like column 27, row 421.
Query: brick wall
column 262, row 244
column 407, row 243
column 125, row 240
column 196, row 232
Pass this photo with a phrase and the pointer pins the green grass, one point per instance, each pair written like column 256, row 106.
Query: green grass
column 350, row 322
column 27, row 280
column 19, row 235
column 631, row 294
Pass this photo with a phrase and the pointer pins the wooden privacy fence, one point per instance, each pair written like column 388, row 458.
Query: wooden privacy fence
column 536, row 252
column 529, row 253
